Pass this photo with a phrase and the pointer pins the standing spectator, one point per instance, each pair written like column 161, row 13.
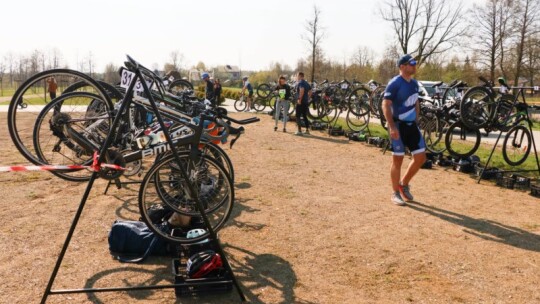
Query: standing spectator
column 247, row 86
column 401, row 109
column 209, row 87
column 303, row 90
column 217, row 91
column 52, row 87
column 284, row 94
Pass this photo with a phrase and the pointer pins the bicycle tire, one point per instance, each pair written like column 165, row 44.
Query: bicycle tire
column 513, row 146
column 263, row 90
column 457, row 149
column 259, row 104
column 356, row 99
column 63, row 142
column 433, row 130
column 146, row 202
column 240, row 105
column 477, row 108
column 25, row 147
column 357, row 122
column 179, row 85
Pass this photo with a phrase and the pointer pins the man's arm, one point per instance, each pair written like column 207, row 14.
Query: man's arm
column 387, row 111
column 300, row 95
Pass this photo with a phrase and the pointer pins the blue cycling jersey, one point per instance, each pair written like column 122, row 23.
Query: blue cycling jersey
column 403, row 95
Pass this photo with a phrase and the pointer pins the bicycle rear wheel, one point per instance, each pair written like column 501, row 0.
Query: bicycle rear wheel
column 433, row 130
column 164, row 188
column 33, row 93
column 461, row 141
column 81, row 112
column 240, row 105
column 517, row 145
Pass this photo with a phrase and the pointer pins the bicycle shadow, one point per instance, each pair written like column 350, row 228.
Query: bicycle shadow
column 239, row 208
column 156, row 276
column 484, row 229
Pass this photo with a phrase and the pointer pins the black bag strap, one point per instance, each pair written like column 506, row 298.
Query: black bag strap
column 140, row 259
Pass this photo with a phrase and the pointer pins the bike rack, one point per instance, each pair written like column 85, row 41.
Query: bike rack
column 213, row 236
column 506, row 171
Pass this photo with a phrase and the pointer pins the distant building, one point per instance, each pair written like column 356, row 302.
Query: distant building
column 232, row 71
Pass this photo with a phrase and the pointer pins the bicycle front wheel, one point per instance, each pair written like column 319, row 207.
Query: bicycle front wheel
column 259, row 104
column 263, row 90
column 164, row 188
column 461, row 141
column 358, row 122
column 517, row 145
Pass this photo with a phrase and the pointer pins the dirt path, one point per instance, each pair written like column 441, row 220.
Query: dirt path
column 313, row 223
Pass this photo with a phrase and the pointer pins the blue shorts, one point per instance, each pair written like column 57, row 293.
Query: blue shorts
column 409, row 137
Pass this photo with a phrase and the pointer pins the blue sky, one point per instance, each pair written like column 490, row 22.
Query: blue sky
column 248, row 33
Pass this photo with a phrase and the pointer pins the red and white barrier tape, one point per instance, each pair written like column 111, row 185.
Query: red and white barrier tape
column 94, row 167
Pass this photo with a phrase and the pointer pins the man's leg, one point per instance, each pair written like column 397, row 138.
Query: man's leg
column 418, row 160
column 304, row 113
column 395, row 171
column 298, row 119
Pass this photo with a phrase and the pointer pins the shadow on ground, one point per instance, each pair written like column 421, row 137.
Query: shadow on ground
column 485, row 229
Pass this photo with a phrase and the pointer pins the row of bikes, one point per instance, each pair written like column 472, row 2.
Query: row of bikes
column 451, row 118
column 88, row 115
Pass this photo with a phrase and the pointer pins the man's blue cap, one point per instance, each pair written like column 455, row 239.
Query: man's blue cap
column 406, row 59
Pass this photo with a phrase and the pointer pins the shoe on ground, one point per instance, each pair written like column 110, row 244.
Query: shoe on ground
column 405, row 192
column 275, row 129
column 284, row 130
column 307, row 132
column 299, row 133
column 397, row 200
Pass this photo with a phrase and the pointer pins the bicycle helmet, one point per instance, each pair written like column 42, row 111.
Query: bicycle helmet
column 193, row 233
column 205, row 75
column 203, row 263
column 245, row 78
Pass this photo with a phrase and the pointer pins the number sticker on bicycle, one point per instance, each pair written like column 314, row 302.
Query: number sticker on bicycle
column 344, row 86
column 536, row 88
column 127, row 78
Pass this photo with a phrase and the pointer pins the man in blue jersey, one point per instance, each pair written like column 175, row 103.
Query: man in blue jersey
column 401, row 110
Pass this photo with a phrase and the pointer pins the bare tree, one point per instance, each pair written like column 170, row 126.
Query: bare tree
column 177, row 59
column 110, row 75
column 11, row 64
column 491, row 33
column 526, row 24
column 363, row 56
column 55, row 58
column 315, row 34
column 424, row 27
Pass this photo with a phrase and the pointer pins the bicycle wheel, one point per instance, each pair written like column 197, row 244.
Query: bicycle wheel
column 259, row 104
column 358, row 122
column 461, row 141
column 33, row 93
column 477, row 108
column 220, row 156
column 516, row 145
column 433, row 129
column 263, row 90
column 356, row 99
column 179, row 85
column 240, row 105
column 84, row 113
column 164, row 188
